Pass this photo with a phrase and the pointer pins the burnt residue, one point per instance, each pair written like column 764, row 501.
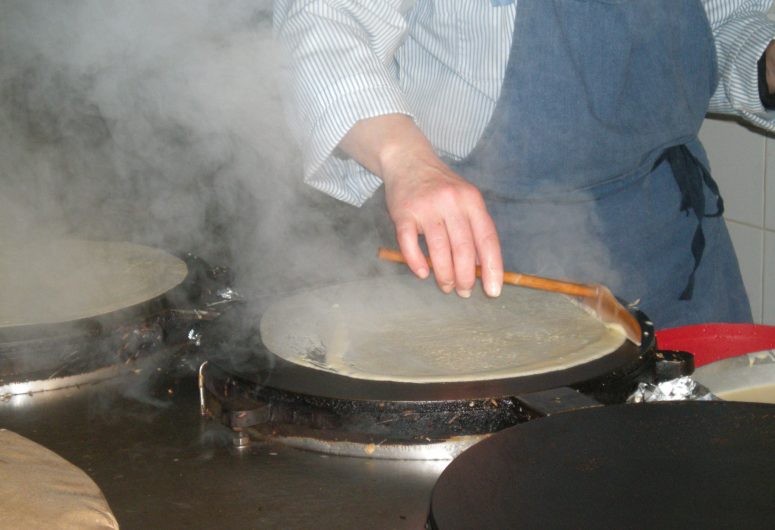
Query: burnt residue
column 357, row 420
column 88, row 347
column 418, row 421
column 252, row 390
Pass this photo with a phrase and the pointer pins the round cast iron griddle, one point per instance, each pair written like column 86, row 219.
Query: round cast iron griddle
column 278, row 373
column 60, row 267
column 49, row 356
column 256, row 363
column 679, row 465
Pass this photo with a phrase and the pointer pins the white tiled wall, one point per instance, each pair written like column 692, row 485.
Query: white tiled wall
column 768, row 316
column 743, row 163
column 738, row 160
column 769, row 186
column 749, row 245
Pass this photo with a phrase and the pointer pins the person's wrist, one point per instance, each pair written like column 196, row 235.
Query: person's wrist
column 410, row 150
column 769, row 55
column 392, row 157
column 766, row 74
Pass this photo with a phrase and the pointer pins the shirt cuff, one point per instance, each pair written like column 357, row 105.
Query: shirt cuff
column 345, row 179
column 740, row 47
column 767, row 99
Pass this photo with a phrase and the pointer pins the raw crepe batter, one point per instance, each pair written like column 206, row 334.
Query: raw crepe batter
column 402, row 329
column 46, row 282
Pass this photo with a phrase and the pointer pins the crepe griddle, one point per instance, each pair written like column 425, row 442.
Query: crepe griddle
column 271, row 371
column 293, row 319
column 63, row 288
column 678, row 465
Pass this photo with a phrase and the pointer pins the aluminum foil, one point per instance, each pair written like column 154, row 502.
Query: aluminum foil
column 680, row 389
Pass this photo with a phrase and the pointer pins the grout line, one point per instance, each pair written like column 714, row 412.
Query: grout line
column 763, row 234
column 745, row 259
column 762, row 277
column 766, row 273
column 767, row 149
column 767, row 142
column 763, row 203
column 749, row 225
column 765, row 286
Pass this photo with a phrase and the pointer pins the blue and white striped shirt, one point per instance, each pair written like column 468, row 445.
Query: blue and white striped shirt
column 442, row 62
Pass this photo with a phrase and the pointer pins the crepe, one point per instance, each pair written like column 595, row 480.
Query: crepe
column 749, row 377
column 46, row 282
column 40, row 489
column 406, row 330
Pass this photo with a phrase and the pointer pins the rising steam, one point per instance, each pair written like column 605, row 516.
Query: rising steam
column 162, row 123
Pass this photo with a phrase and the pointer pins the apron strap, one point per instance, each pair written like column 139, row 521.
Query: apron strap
column 691, row 175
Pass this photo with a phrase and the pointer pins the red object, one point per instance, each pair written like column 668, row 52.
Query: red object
column 713, row 342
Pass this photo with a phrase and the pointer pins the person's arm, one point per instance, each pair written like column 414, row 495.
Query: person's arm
column 769, row 61
column 339, row 56
column 742, row 33
column 346, row 98
column 767, row 77
column 424, row 196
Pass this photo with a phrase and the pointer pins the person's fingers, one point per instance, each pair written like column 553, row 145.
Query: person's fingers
column 463, row 253
column 406, row 235
column 488, row 250
column 437, row 241
column 426, row 198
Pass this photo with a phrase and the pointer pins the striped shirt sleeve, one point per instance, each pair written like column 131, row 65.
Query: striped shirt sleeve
column 341, row 59
column 742, row 32
column 345, row 57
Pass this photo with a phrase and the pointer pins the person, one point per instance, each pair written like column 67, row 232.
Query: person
column 552, row 137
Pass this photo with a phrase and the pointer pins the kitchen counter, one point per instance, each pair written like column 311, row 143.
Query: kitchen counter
column 160, row 465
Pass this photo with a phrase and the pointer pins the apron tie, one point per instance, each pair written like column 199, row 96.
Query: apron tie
column 690, row 175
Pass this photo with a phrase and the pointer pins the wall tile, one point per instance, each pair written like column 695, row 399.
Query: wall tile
column 749, row 246
column 737, row 158
column 769, row 185
column 768, row 316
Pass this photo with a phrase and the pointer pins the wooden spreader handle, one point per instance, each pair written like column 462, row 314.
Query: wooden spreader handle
column 511, row 278
column 597, row 297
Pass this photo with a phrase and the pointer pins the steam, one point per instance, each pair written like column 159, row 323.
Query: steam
column 162, row 123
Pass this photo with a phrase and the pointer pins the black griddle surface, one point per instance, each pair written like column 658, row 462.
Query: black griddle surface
column 666, row 465
column 266, row 369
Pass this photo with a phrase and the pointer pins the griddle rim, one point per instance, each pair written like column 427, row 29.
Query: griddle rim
column 270, row 370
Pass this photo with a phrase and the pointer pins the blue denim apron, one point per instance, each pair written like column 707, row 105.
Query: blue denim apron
column 591, row 165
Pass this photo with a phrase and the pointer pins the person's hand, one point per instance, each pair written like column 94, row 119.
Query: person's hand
column 769, row 61
column 424, row 196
